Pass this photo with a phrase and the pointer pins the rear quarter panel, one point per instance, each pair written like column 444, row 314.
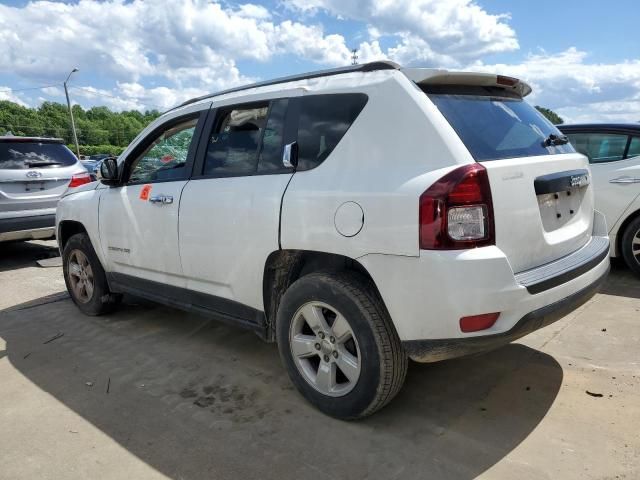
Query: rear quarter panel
column 398, row 146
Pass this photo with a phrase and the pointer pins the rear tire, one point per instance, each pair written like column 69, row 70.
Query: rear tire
column 348, row 359
column 630, row 245
column 85, row 278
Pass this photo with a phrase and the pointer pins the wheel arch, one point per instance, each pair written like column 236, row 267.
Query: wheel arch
column 68, row 228
column 283, row 267
column 621, row 229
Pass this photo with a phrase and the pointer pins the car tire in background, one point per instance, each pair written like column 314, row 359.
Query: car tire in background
column 85, row 278
column 338, row 344
column 630, row 245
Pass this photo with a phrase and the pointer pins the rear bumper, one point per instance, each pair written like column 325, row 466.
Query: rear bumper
column 442, row 349
column 427, row 296
column 545, row 277
column 27, row 228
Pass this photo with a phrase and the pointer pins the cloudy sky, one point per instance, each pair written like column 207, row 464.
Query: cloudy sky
column 581, row 57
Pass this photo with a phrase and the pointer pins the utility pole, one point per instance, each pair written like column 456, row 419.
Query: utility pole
column 354, row 56
column 73, row 124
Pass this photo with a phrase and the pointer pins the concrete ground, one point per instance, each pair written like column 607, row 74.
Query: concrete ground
column 151, row 392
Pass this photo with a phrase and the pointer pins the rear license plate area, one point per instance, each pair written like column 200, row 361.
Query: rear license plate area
column 559, row 208
column 34, row 186
column 560, row 196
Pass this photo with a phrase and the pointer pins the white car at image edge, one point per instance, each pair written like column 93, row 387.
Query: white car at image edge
column 614, row 154
column 358, row 217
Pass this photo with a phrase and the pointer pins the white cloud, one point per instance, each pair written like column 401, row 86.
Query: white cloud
column 450, row 32
column 577, row 90
column 157, row 53
column 310, row 42
column 7, row 94
column 249, row 10
column 185, row 44
column 53, row 91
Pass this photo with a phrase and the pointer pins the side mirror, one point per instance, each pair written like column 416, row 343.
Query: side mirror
column 290, row 155
column 109, row 171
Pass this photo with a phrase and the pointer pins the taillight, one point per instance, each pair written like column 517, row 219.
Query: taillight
column 508, row 81
column 79, row 179
column 456, row 212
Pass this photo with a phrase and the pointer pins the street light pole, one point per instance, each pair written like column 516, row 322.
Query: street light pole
column 73, row 124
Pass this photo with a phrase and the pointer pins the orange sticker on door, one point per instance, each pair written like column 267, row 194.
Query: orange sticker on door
column 144, row 193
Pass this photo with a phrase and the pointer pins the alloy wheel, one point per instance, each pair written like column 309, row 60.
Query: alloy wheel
column 635, row 246
column 325, row 349
column 80, row 276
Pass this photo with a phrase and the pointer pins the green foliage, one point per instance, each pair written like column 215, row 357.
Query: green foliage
column 552, row 116
column 96, row 127
column 97, row 149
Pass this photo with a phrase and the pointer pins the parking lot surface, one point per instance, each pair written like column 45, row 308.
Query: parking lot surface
column 152, row 392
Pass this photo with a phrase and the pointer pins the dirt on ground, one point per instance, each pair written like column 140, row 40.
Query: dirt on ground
column 152, row 392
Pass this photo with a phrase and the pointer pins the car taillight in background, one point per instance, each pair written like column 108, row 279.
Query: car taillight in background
column 79, row 179
column 456, row 212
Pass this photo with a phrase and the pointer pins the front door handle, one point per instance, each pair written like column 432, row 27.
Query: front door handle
column 161, row 199
column 625, row 180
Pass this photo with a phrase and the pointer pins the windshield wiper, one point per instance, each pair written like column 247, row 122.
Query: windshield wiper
column 553, row 140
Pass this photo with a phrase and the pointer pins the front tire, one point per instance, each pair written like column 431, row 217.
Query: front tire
column 630, row 245
column 85, row 278
column 339, row 345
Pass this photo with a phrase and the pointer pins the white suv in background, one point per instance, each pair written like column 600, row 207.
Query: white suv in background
column 358, row 217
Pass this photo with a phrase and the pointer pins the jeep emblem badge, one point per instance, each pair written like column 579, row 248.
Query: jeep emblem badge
column 579, row 180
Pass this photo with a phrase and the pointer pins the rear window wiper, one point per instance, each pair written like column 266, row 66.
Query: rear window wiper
column 553, row 140
column 42, row 164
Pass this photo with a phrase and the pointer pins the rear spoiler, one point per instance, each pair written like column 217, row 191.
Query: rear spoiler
column 432, row 76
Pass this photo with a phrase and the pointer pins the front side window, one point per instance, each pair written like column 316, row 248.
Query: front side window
column 324, row 119
column 166, row 157
column 494, row 126
column 600, row 147
column 233, row 146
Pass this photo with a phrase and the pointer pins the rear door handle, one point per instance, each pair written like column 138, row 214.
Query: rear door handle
column 625, row 180
column 162, row 199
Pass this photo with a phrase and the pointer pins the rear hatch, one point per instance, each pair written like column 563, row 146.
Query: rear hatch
column 541, row 189
column 34, row 173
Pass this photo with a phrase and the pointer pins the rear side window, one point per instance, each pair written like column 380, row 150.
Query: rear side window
column 233, row 147
column 324, row 119
column 600, row 147
column 634, row 147
column 25, row 155
column 497, row 127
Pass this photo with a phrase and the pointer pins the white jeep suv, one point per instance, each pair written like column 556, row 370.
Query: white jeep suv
column 358, row 217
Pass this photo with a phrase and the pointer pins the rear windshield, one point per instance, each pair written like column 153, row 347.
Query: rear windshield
column 24, row 155
column 496, row 127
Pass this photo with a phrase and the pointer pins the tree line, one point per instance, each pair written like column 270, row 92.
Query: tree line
column 99, row 129
column 552, row 116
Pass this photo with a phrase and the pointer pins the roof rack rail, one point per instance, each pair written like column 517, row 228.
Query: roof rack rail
column 364, row 67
